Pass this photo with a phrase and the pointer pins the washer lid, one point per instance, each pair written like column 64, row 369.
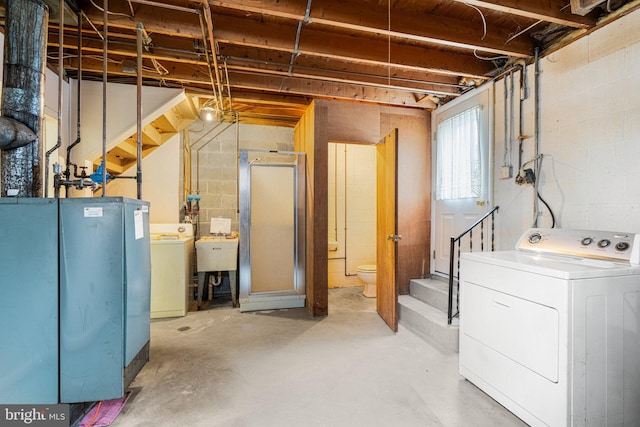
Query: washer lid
column 560, row 266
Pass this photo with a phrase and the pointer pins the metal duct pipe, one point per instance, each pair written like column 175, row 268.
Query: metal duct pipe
column 60, row 77
column 140, row 31
column 23, row 93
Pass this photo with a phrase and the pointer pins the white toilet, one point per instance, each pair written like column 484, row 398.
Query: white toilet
column 367, row 273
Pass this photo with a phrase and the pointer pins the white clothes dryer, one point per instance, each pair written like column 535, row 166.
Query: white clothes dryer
column 551, row 330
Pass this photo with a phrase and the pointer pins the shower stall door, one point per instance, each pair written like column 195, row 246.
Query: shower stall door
column 272, row 230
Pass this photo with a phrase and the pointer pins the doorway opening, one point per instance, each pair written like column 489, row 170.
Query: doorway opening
column 351, row 213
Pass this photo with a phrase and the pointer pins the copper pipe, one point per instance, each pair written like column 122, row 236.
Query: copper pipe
column 167, row 6
column 226, row 73
column 92, row 25
column 212, row 41
column 204, row 40
column 131, row 8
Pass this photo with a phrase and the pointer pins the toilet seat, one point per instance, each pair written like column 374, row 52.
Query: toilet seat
column 367, row 268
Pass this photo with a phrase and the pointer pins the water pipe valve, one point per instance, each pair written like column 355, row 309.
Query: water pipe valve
column 97, row 175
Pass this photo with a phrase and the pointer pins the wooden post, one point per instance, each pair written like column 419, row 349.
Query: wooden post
column 23, row 94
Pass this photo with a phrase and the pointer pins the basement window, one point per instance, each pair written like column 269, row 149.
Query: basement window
column 459, row 156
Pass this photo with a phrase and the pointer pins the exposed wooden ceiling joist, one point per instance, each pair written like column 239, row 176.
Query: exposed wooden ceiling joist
column 374, row 19
column 548, row 11
column 275, row 56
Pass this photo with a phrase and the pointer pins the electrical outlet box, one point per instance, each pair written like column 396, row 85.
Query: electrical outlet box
column 506, row 172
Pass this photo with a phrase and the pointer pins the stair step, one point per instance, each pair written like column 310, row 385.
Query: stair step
column 432, row 291
column 428, row 322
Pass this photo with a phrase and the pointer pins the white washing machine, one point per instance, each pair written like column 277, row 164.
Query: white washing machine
column 551, row 330
column 172, row 251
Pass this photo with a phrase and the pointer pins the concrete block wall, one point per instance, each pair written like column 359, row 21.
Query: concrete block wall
column 589, row 133
column 218, row 162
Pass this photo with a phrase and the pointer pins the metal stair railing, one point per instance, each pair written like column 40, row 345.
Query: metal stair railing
column 453, row 260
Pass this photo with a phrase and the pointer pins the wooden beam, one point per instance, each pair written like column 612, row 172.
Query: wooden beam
column 113, row 163
column 94, row 47
column 151, row 136
column 168, row 122
column 285, row 122
column 273, row 60
column 375, row 83
column 372, row 18
column 548, row 11
column 354, row 49
column 297, row 103
column 121, row 151
column 294, row 86
column 326, row 44
column 324, row 90
column 155, row 21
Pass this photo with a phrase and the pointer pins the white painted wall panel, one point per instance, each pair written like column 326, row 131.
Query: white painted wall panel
column 589, row 133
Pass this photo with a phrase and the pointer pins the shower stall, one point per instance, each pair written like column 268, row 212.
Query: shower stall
column 272, row 230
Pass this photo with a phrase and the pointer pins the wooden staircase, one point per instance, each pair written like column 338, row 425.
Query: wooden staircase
column 124, row 155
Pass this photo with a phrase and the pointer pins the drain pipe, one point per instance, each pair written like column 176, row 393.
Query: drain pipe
column 237, row 114
column 105, row 17
column 335, row 202
column 83, row 180
column 140, row 30
column 60, row 76
column 536, row 146
column 186, row 165
column 77, row 141
column 346, row 258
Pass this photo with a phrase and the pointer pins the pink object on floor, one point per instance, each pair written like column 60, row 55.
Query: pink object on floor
column 109, row 410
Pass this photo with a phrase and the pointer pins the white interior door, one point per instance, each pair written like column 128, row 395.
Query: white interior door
column 455, row 211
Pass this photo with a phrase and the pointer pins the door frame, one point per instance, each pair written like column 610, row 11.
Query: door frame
column 294, row 297
column 489, row 108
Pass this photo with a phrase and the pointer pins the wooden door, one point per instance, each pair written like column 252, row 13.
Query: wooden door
column 387, row 234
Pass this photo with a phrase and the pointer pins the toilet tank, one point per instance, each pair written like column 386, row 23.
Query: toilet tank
column 217, row 254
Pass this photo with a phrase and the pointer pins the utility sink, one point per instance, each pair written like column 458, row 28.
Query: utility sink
column 217, row 254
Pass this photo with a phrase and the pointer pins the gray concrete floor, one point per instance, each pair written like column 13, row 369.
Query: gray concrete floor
column 220, row 367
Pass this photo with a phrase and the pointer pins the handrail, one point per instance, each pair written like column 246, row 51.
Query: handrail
column 461, row 235
column 480, row 222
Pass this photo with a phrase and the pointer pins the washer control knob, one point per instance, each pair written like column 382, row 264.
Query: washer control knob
column 604, row 243
column 586, row 241
column 622, row 246
column 535, row 238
